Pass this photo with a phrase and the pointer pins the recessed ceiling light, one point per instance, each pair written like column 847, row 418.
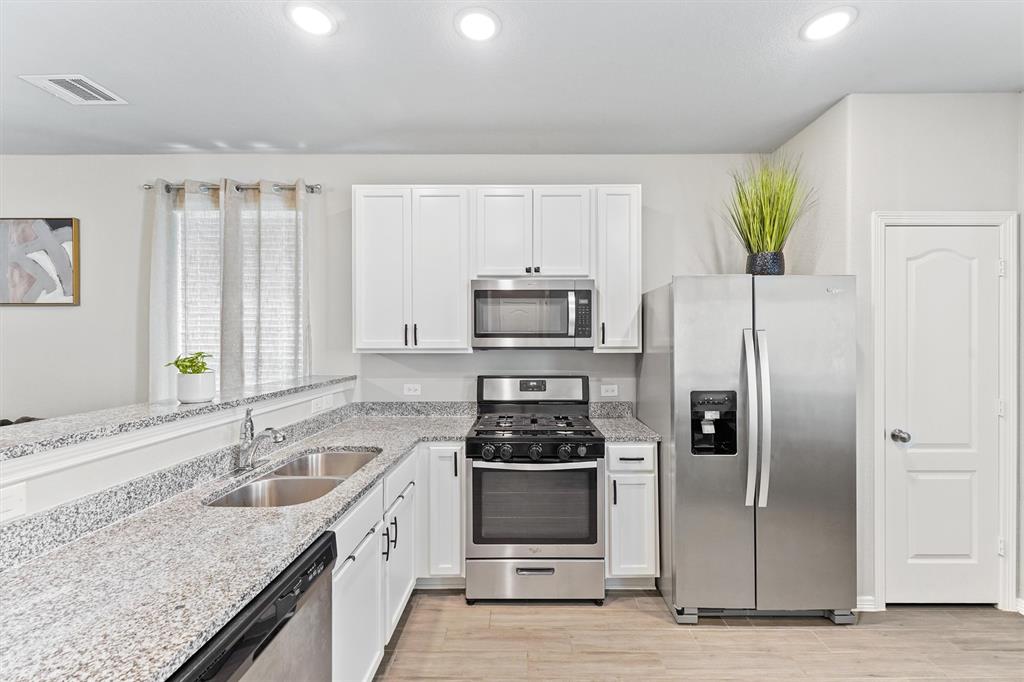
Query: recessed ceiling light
column 477, row 24
column 828, row 23
column 311, row 18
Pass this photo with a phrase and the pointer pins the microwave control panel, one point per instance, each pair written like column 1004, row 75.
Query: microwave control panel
column 583, row 314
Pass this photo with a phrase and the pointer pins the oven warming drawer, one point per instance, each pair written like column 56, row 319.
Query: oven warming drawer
column 534, row 579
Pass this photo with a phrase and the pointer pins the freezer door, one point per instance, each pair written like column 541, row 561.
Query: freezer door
column 806, row 498
column 713, row 525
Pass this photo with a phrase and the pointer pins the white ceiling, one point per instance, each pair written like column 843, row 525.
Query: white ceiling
column 561, row 77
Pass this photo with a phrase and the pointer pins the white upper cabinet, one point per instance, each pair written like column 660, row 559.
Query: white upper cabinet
column 504, row 231
column 381, row 232
column 410, row 269
column 440, row 269
column 561, row 231
column 618, row 269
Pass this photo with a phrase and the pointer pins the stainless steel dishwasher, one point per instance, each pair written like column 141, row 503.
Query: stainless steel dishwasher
column 282, row 634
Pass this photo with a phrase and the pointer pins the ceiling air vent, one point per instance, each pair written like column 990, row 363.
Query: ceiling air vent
column 75, row 88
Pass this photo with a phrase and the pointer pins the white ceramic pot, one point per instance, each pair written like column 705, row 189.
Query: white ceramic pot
column 196, row 388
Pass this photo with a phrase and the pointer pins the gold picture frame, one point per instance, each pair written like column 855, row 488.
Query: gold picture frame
column 40, row 262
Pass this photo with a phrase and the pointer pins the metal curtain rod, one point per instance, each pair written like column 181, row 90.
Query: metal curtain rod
column 310, row 189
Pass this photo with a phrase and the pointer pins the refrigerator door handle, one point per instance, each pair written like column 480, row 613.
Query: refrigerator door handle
column 752, row 430
column 766, row 417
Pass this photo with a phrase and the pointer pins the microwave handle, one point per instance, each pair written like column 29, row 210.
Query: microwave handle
column 571, row 296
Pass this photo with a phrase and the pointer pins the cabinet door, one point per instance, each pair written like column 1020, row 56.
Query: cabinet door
column 632, row 534
column 400, row 559
column 561, row 231
column 440, row 269
column 446, row 547
column 504, row 231
column 381, row 231
column 357, row 644
column 618, row 269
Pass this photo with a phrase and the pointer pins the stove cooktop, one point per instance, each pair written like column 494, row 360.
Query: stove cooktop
column 538, row 437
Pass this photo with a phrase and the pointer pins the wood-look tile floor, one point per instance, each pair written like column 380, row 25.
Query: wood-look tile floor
column 633, row 637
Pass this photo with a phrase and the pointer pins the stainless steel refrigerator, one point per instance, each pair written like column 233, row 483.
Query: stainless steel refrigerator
column 751, row 382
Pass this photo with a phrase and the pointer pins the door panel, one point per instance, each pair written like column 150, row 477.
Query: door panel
column 504, row 231
column 400, row 566
column 618, row 269
column 561, row 231
column 382, row 223
column 632, row 535
column 941, row 386
column 806, row 530
column 714, row 529
column 445, row 552
column 440, row 272
column 357, row 617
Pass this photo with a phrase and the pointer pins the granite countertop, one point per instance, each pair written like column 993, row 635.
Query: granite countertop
column 19, row 440
column 624, row 430
column 134, row 600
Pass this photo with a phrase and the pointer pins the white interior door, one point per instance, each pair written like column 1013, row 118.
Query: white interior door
column 440, row 271
column 561, row 231
column 504, row 231
column 941, row 397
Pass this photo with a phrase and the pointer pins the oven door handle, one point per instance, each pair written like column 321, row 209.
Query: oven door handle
column 535, row 467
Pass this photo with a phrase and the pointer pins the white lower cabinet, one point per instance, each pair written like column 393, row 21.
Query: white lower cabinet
column 399, row 554
column 446, row 471
column 632, row 495
column 357, row 631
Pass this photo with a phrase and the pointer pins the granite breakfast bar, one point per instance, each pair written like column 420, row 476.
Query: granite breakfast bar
column 135, row 599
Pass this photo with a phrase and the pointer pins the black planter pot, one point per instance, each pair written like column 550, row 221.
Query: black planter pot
column 766, row 263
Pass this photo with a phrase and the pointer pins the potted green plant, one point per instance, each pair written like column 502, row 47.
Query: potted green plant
column 195, row 378
column 767, row 200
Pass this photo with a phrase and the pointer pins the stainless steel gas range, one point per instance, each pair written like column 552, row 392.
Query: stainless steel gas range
column 535, row 518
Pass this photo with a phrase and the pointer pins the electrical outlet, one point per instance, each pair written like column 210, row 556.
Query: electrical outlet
column 13, row 502
column 412, row 389
column 328, row 401
column 609, row 390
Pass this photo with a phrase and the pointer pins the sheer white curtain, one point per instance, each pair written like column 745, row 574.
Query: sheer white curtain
column 228, row 276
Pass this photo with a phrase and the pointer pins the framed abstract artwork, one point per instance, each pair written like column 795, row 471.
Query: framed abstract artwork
column 39, row 261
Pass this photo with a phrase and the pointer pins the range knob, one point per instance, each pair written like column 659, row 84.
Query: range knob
column 582, row 451
column 505, row 452
column 564, row 451
column 536, row 451
column 488, row 452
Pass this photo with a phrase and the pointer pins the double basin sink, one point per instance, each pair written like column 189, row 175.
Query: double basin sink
column 300, row 480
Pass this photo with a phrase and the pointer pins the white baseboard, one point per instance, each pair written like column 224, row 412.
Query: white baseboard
column 1020, row 606
column 868, row 603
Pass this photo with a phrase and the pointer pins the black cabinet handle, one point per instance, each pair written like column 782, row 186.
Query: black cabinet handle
column 455, row 461
column 602, row 333
column 615, row 491
column 631, row 459
column 405, row 333
column 387, row 545
column 536, row 268
column 529, row 270
column 394, row 539
column 415, row 335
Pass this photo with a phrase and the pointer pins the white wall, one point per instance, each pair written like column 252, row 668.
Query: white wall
column 820, row 243
column 59, row 361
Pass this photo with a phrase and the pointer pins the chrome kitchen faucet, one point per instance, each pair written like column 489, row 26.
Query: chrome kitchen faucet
column 249, row 441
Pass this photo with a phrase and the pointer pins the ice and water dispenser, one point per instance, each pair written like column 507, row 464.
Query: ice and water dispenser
column 713, row 422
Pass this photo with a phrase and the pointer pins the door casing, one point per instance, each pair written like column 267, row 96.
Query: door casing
column 1006, row 223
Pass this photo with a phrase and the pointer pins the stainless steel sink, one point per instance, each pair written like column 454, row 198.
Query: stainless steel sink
column 277, row 492
column 338, row 464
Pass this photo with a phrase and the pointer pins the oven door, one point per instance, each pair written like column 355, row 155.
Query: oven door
column 525, row 511
column 532, row 313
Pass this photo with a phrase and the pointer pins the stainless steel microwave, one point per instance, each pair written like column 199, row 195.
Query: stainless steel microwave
column 533, row 313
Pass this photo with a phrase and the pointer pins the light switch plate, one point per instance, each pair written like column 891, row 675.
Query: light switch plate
column 13, row 502
column 609, row 390
column 412, row 389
